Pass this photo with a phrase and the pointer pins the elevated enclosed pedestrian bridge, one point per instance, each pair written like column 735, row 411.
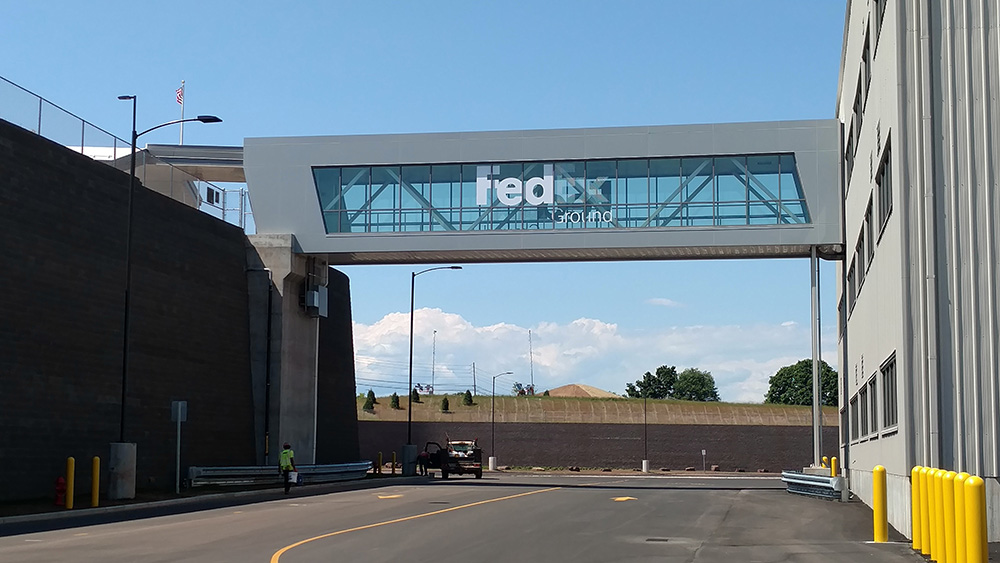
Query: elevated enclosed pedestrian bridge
column 737, row 190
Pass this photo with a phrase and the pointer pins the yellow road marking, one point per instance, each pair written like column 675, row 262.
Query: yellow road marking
column 623, row 499
column 277, row 554
column 389, row 496
column 80, row 534
column 237, row 512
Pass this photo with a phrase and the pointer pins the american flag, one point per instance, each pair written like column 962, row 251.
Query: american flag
column 180, row 95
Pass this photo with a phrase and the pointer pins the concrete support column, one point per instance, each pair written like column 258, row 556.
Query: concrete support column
column 285, row 388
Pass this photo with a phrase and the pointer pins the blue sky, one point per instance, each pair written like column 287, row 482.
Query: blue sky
column 328, row 68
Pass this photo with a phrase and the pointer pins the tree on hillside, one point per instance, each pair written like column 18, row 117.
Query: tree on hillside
column 792, row 385
column 467, row 398
column 371, row 397
column 414, row 396
column 694, row 384
column 659, row 386
column 394, row 402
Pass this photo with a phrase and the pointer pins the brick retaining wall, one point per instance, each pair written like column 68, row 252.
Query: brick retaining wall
column 62, row 254
column 674, row 446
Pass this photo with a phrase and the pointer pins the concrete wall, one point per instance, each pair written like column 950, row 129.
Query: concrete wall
column 337, row 420
column 63, row 225
column 674, row 446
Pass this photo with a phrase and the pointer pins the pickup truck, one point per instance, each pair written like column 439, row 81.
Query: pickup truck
column 457, row 457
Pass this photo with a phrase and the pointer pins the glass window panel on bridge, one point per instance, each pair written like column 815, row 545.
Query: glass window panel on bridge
column 569, row 187
column 415, row 182
column 446, row 197
column 720, row 191
column 599, row 193
column 633, row 192
column 385, row 194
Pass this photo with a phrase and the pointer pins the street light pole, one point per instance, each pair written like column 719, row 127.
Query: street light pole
column 128, row 246
column 645, row 441
column 128, row 272
column 409, row 390
column 493, row 421
column 122, row 459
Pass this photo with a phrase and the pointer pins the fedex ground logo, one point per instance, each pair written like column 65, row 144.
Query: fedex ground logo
column 513, row 191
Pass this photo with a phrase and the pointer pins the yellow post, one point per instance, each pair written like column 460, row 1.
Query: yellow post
column 925, row 511
column 825, row 462
column 833, row 466
column 378, row 468
column 939, row 536
column 879, row 514
column 976, row 550
column 393, row 463
column 915, row 507
column 948, row 497
column 960, row 546
column 932, row 492
column 95, row 481
column 70, row 478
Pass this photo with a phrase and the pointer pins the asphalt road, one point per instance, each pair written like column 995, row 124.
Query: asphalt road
column 578, row 518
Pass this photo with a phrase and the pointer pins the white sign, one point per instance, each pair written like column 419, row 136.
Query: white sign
column 512, row 191
column 702, row 452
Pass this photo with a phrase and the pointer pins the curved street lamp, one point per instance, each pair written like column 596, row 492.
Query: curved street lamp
column 493, row 417
column 409, row 391
column 128, row 243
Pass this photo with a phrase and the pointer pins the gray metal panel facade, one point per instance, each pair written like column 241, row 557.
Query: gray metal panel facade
column 284, row 199
column 930, row 299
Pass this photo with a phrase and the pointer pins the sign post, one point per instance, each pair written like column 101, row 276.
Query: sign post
column 702, row 457
column 178, row 414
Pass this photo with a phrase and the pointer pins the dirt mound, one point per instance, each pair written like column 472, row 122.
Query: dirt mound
column 580, row 390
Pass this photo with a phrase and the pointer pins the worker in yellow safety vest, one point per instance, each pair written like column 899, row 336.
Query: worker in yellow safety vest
column 286, row 464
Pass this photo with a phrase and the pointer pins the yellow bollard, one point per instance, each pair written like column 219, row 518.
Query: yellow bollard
column 879, row 514
column 976, row 550
column 95, row 481
column 70, row 478
column 915, row 507
column 393, row 463
column 833, row 466
column 939, row 539
column 960, row 547
column 378, row 469
column 948, row 498
column 825, row 462
column 925, row 511
column 932, row 492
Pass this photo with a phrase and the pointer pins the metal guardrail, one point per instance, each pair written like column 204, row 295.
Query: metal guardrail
column 269, row 475
column 821, row 486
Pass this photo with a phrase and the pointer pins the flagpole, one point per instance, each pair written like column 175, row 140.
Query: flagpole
column 180, row 99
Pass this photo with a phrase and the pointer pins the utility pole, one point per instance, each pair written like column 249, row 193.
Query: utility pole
column 531, row 362
column 433, row 357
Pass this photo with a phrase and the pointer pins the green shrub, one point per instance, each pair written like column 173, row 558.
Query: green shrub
column 444, row 404
column 369, row 405
column 394, row 402
column 371, row 397
column 414, row 396
column 467, row 398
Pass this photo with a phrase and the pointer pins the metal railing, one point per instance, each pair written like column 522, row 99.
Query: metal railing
column 833, row 488
column 269, row 475
column 44, row 118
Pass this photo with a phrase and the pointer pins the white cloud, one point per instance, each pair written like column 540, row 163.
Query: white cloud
column 789, row 324
column 589, row 351
column 663, row 302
